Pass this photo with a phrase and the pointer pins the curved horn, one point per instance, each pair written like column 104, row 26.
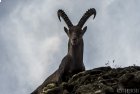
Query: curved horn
column 65, row 17
column 86, row 16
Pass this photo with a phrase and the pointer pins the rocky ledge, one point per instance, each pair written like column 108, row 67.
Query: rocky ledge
column 102, row 80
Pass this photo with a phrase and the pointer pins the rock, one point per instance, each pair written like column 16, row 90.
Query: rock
column 102, row 80
column 130, row 80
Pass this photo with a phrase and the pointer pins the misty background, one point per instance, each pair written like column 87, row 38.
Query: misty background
column 33, row 42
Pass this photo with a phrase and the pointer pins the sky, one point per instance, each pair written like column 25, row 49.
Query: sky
column 33, row 42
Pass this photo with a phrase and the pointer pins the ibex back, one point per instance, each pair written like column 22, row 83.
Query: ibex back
column 72, row 63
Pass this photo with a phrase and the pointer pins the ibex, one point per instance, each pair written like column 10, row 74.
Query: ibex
column 72, row 63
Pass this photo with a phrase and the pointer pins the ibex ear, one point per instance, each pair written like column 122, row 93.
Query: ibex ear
column 66, row 30
column 84, row 30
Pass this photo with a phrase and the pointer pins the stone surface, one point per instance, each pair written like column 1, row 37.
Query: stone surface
column 102, row 80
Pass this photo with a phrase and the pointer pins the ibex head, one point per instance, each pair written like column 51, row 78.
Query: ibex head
column 76, row 32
